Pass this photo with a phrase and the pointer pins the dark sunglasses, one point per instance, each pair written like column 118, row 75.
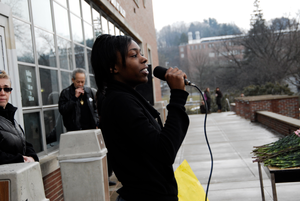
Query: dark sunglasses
column 6, row 89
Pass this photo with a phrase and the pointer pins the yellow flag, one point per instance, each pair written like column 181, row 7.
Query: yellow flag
column 189, row 188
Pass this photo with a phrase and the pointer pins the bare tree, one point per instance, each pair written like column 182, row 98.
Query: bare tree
column 271, row 52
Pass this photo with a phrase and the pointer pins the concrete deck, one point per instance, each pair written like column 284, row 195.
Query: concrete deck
column 235, row 176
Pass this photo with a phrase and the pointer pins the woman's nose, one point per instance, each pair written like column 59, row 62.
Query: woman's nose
column 144, row 59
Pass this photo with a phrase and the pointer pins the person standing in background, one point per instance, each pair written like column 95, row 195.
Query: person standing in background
column 13, row 146
column 219, row 96
column 207, row 98
column 76, row 104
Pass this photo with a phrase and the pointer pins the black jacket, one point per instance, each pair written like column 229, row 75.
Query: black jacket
column 69, row 107
column 13, row 145
column 141, row 150
column 219, row 97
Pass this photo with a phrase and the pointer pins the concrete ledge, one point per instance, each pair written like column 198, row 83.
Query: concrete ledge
column 280, row 123
column 49, row 163
column 279, row 117
column 263, row 97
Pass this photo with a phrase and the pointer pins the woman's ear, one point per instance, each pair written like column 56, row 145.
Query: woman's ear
column 116, row 69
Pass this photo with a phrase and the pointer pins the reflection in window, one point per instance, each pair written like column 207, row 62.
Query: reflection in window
column 97, row 23
column 19, row 9
column 88, row 31
column 89, row 53
column 93, row 82
column 32, row 127
column 111, row 28
column 64, row 53
column 86, row 11
column 53, row 127
column 76, row 29
column 62, row 2
column 28, row 86
column 104, row 25
column 79, row 56
column 61, row 21
column 23, row 41
column 66, row 79
column 42, row 17
column 49, row 86
column 75, row 7
column 45, row 48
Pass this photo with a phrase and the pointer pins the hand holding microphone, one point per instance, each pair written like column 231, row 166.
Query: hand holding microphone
column 175, row 78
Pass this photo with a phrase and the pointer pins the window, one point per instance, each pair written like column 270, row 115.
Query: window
column 20, row 9
column 111, row 28
column 76, row 29
column 181, row 49
column 211, row 54
column 42, row 19
column 182, row 55
column 96, row 23
column 23, row 38
column 28, row 85
column 104, row 25
column 49, row 86
column 61, row 21
column 45, row 48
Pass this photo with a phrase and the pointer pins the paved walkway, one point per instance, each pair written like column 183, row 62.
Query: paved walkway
column 235, row 176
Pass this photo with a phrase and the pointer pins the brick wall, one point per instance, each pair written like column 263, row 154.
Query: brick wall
column 53, row 186
column 285, row 105
column 282, row 126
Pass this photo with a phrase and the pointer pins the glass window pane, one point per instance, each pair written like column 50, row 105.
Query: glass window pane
column 93, row 82
column 86, row 12
column 28, row 86
column 89, row 53
column 32, row 128
column 64, row 53
column 61, row 21
column 76, row 29
column 104, row 25
column 111, row 28
column 45, row 49
column 79, row 56
column 117, row 31
column 42, row 17
column 19, row 9
column 53, row 127
column 89, row 38
column 49, row 86
column 75, row 7
column 96, row 22
column 66, row 79
column 23, row 41
column 62, row 2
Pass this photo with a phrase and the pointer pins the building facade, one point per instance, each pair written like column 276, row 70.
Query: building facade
column 42, row 41
column 209, row 51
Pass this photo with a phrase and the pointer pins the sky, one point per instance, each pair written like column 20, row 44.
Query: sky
column 167, row 12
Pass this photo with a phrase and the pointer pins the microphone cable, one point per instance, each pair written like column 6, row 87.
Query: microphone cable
column 211, row 156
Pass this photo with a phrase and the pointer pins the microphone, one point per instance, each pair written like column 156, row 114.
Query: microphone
column 160, row 73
